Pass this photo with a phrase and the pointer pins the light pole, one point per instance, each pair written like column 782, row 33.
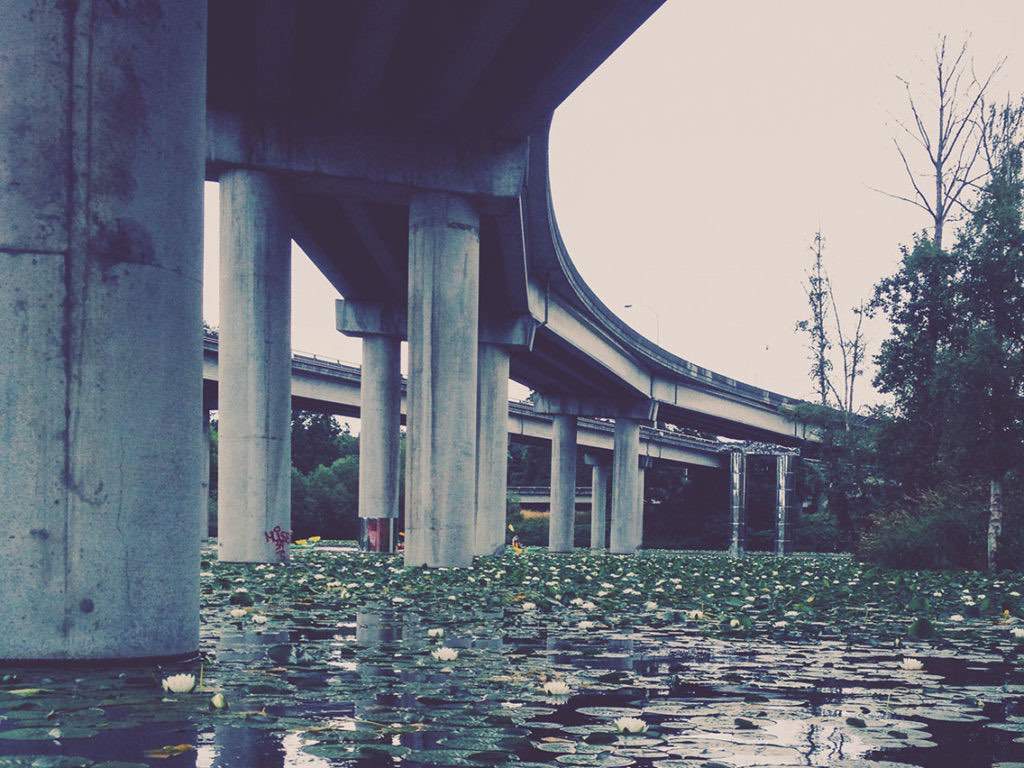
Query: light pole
column 657, row 319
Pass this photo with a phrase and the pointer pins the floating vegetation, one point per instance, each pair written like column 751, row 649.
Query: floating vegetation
column 665, row 659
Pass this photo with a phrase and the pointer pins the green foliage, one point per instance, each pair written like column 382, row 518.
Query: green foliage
column 939, row 528
column 318, row 440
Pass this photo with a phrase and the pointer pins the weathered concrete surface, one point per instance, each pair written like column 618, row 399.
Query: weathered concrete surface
column 492, row 449
column 625, row 481
column 561, row 521
column 737, row 502
column 204, row 478
column 638, row 533
column 444, row 289
column 254, row 395
column 783, row 487
column 599, row 506
column 101, row 168
column 380, row 420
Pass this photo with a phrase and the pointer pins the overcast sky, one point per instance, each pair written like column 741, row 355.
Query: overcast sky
column 691, row 170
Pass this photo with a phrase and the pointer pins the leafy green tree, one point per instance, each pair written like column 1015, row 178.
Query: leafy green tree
column 986, row 375
column 318, row 438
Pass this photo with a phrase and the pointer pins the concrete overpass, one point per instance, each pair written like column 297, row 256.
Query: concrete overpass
column 330, row 386
column 540, row 495
column 404, row 146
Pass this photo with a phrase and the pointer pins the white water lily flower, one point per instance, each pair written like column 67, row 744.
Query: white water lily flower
column 528, row 606
column 791, row 614
column 237, row 613
column 587, row 606
column 650, row 605
column 695, row 615
column 780, row 624
column 586, row 625
column 734, row 623
column 258, row 618
column 444, row 653
column 557, row 688
column 629, row 725
column 1018, row 633
column 217, row 701
column 435, row 632
column 911, row 664
column 956, row 617
column 182, row 683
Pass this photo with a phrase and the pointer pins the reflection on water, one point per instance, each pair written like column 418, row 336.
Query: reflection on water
column 363, row 690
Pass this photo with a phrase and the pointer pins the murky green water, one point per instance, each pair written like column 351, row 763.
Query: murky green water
column 342, row 674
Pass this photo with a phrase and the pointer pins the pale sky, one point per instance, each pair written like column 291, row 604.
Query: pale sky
column 691, row 170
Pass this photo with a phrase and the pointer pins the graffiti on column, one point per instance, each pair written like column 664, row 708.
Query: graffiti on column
column 280, row 538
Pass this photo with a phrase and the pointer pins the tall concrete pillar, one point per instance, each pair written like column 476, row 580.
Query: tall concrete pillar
column 254, row 391
column 783, row 490
column 625, row 481
column 101, row 172
column 737, row 502
column 561, row 521
column 492, row 449
column 380, row 418
column 204, row 479
column 444, row 288
column 598, row 506
column 640, row 479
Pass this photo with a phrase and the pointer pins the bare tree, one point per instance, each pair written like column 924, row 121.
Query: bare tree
column 818, row 343
column 953, row 144
column 824, row 323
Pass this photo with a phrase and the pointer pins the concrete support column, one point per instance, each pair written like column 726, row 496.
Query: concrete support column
column 101, row 172
column 783, row 489
column 561, row 521
column 444, row 289
column 254, row 460
column 737, row 502
column 625, row 480
column 380, row 418
column 204, row 479
column 640, row 479
column 492, row 449
column 599, row 506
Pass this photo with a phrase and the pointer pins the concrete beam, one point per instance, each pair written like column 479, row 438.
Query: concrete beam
column 515, row 332
column 642, row 410
column 370, row 318
column 369, row 166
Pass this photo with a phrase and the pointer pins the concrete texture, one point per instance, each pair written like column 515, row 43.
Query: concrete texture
column 783, row 482
column 204, row 477
column 737, row 502
column 625, row 480
column 599, row 506
column 638, row 534
column 444, row 288
column 380, row 420
column 561, row 521
column 492, row 449
column 254, row 397
column 101, row 169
